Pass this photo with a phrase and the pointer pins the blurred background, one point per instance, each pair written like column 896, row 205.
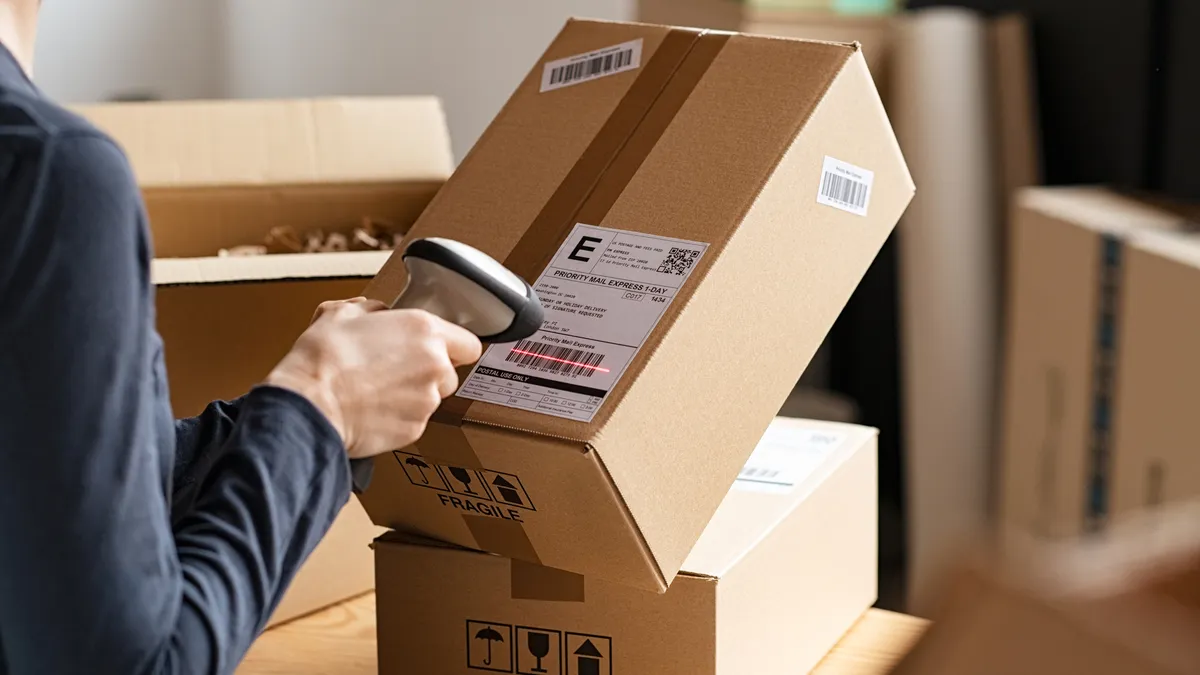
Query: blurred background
column 1026, row 341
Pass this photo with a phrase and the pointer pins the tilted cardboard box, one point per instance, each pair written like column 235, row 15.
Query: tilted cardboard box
column 1099, row 349
column 222, row 174
column 695, row 208
column 785, row 568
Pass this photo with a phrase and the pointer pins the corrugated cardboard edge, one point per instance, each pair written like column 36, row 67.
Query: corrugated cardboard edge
column 299, row 141
column 166, row 272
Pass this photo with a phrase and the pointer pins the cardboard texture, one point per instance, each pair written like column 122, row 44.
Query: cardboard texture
column 779, row 575
column 681, row 152
column 872, row 31
column 1099, row 361
column 1126, row 603
column 216, row 175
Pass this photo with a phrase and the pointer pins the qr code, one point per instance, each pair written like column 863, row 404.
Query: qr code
column 679, row 261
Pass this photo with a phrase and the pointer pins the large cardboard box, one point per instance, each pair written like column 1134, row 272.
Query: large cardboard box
column 1100, row 348
column 784, row 569
column 694, row 232
column 873, row 31
column 222, row 174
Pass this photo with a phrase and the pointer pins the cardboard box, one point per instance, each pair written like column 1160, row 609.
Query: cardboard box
column 786, row 567
column 1128, row 602
column 677, row 214
column 1096, row 355
column 216, row 175
column 873, row 31
column 1154, row 460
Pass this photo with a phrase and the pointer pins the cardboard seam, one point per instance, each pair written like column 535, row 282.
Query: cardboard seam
column 602, row 417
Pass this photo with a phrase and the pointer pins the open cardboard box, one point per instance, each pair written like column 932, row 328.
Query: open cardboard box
column 222, row 174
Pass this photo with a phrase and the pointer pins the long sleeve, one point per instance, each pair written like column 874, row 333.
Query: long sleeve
column 94, row 577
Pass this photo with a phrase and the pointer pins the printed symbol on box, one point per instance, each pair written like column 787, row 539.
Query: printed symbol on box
column 588, row 654
column 489, row 646
column 539, row 651
column 467, row 482
column 420, row 472
column 507, row 489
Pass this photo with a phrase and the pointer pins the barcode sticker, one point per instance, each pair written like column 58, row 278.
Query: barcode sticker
column 554, row 359
column 604, row 291
column 785, row 457
column 592, row 65
column 845, row 186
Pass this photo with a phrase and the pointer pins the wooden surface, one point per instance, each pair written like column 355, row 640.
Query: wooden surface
column 341, row 641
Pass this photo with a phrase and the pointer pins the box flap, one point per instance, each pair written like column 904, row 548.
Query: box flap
column 802, row 453
column 1183, row 248
column 1098, row 209
column 275, row 267
column 195, row 144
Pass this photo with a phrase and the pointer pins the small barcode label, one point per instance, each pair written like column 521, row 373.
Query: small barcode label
column 593, row 65
column 845, row 186
column 555, row 359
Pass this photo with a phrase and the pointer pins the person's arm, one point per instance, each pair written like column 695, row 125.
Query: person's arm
column 93, row 578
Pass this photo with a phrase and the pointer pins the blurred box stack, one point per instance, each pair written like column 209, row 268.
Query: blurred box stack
column 1101, row 361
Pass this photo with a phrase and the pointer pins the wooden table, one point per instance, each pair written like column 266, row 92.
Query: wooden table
column 341, row 641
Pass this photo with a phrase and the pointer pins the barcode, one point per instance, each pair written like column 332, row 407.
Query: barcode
column 844, row 190
column 555, row 359
column 758, row 472
column 595, row 67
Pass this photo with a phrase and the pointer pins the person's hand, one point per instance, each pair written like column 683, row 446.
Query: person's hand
column 377, row 375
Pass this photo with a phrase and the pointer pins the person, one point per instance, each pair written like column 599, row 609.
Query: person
column 130, row 542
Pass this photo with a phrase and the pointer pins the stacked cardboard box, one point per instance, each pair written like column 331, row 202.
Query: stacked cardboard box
column 694, row 208
column 219, row 175
column 1101, row 361
column 786, row 566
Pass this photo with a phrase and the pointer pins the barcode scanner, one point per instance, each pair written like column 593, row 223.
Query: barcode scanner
column 469, row 288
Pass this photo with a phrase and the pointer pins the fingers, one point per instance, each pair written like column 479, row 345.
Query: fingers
column 346, row 308
column 462, row 345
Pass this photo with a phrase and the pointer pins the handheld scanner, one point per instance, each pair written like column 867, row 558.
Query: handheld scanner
column 469, row 288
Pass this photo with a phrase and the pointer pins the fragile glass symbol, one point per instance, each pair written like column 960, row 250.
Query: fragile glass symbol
column 463, row 477
column 490, row 635
column 539, row 646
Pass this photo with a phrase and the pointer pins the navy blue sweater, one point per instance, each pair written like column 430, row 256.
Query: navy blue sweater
column 130, row 542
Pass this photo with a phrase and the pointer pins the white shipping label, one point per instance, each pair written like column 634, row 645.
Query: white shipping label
column 604, row 292
column 785, row 457
column 592, row 65
column 845, row 186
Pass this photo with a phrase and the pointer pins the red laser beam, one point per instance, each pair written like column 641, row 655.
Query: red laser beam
column 569, row 363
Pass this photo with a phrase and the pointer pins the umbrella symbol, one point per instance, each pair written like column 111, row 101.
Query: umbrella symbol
column 421, row 466
column 491, row 636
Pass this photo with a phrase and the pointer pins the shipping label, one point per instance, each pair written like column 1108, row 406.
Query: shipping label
column 785, row 457
column 604, row 292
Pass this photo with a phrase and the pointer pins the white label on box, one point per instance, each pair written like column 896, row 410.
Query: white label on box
column 785, row 457
column 592, row 65
column 845, row 186
column 604, row 292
